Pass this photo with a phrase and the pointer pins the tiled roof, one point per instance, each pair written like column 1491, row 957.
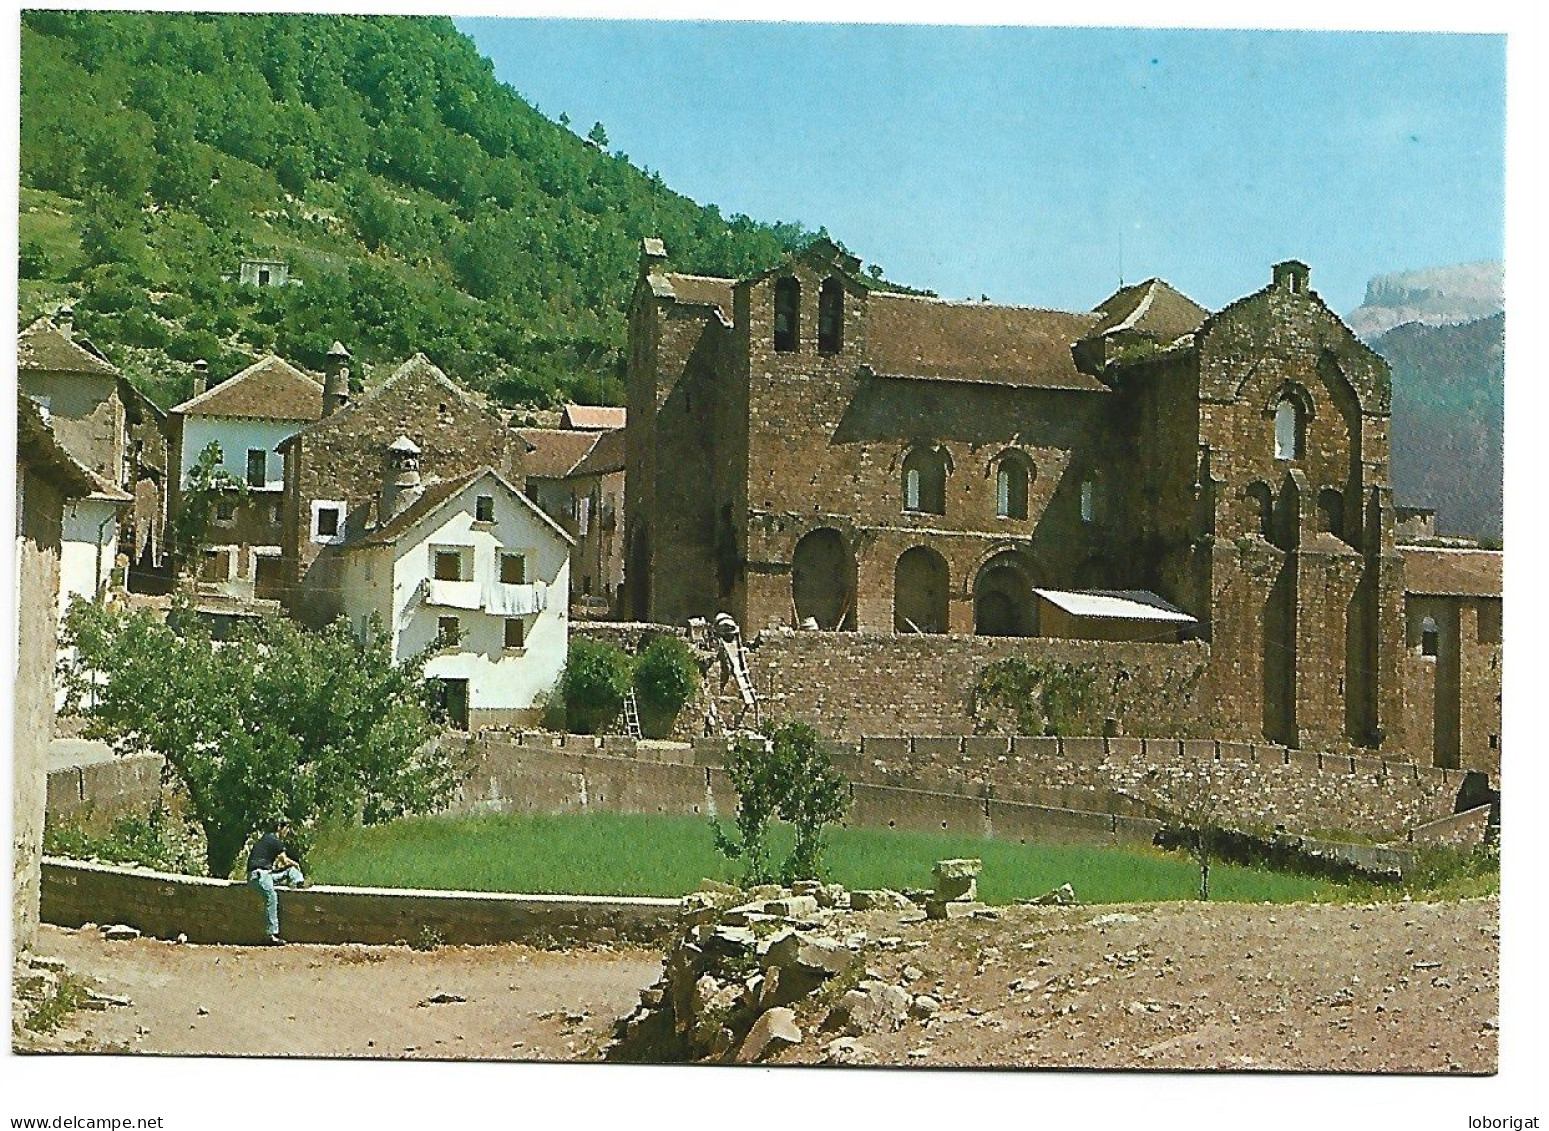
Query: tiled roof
column 606, row 456
column 1152, row 307
column 43, row 346
column 417, row 365
column 435, row 495
column 594, row 418
column 981, row 343
column 703, row 290
column 269, row 389
column 555, row 452
column 1452, row 573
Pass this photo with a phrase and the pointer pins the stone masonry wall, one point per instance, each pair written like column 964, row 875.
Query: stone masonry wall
column 849, row 684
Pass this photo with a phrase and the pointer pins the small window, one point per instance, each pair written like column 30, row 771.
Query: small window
column 1089, row 501
column 1495, row 742
column 1011, row 488
column 515, row 632
column 1288, row 430
column 925, row 481
column 448, row 630
column 257, row 467
column 448, row 565
column 274, row 514
column 484, row 508
column 830, row 316
column 787, row 314
column 225, row 511
column 263, row 276
column 327, row 521
column 1430, row 637
column 513, row 569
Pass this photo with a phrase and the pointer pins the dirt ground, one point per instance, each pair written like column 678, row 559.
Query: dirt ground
column 1402, row 987
column 519, row 1003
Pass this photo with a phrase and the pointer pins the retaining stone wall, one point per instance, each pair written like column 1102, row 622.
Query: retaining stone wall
column 219, row 911
column 850, row 684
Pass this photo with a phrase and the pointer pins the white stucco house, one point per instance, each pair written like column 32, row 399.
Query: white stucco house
column 247, row 415
column 472, row 565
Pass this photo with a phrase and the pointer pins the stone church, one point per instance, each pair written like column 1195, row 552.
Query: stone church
column 808, row 450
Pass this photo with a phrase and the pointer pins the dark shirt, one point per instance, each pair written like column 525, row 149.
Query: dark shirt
column 265, row 853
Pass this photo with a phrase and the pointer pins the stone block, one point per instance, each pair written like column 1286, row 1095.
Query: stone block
column 1198, row 749
column 950, row 873
column 1086, row 751
column 951, row 908
column 946, row 749
column 885, row 748
column 1125, row 749
column 985, row 747
column 774, row 1030
column 870, row 1008
column 1165, row 751
column 1236, row 751
column 792, row 907
column 1036, row 746
column 874, row 898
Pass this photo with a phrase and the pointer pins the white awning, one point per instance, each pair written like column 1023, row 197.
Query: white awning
column 1115, row 604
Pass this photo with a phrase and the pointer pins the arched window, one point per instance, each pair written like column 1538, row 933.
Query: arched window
column 1288, row 429
column 1430, row 637
column 1261, row 505
column 787, row 314
column 925, row 481
column 1011, row 478
column 1331, row 512
column 830, row 316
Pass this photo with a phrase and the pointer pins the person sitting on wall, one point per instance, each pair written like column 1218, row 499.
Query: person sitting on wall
column 269, row 863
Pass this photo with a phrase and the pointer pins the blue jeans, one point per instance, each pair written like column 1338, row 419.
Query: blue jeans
column 262, row 881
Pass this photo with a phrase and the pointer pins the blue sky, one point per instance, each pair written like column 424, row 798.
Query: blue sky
column 1014, row 161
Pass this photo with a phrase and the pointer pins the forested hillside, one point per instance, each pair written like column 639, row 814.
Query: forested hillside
column 422, row 204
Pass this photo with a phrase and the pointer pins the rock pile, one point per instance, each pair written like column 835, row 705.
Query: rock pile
column 956, row 893
column 748, row 966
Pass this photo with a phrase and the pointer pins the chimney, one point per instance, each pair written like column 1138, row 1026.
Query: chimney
column 653, row 256
column 64, row 319
column 401, row 483
column 201, row 375
column 336, row 385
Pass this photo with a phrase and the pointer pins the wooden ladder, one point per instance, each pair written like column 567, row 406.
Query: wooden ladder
column 631, row 715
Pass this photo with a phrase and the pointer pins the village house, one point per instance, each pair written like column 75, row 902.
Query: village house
column 470, row 567
column 115, row 432
column 48, row 479
column 334, row 468
column 576, row 474
column 247, row 416
column 807, row 450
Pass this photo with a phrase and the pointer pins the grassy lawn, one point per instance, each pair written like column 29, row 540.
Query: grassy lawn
column 617, row 854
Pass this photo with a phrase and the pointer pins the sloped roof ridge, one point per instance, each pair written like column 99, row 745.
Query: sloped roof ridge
column 977, row 304
column 417, row 363
column 437, row 494
column 77, row 357
column 269, row 363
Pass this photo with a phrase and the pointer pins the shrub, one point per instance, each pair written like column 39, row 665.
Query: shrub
column 593, row 685
column 272, row 721
column 1042, row 697
column 666, row 678
column 789, row 777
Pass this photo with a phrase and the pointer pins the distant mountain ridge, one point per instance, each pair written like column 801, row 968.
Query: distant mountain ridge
column 1449, row 420
column 1432, row 296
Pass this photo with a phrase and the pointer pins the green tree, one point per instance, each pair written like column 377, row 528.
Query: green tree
column 209, row 484
column 666, row 678
column 317, row 727
column 597, row 135
column 593, row 685
column 787, row 776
